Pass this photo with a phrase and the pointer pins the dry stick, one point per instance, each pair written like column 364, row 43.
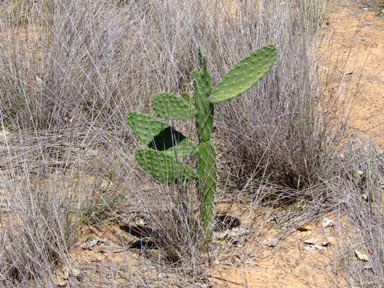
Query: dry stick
column 226, row 280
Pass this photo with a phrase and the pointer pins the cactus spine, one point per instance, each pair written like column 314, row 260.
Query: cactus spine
column 166, row 145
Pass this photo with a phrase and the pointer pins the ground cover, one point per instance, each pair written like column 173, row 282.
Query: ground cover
column 297, row 175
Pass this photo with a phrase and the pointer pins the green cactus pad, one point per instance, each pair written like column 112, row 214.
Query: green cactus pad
column 207, row 181
column 244, row 75
column 145, row 126
column 184, row 148
column 172, row 142
column 163, row 167
column 159, row 135
column 204, row 118
column 172, row 107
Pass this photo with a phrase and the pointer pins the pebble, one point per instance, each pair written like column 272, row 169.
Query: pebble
column 271, row 242
column 304, row 228
column 93, row 243
column 328, row 223
column 311, row 241
column 313, row 248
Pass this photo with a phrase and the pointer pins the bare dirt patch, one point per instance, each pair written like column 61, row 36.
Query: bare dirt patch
column 358, row 33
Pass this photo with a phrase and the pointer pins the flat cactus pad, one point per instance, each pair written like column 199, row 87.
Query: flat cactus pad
column 172, row 107
column 244, row 75
column 163, row 167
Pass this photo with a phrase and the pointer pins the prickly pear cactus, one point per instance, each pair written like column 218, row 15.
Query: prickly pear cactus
column 160, row 136
column 166, row 145
column 171, row 107
column 163, row 167
column 204, row 118
column 206, row 185
column 144, row 126
column 244, row 75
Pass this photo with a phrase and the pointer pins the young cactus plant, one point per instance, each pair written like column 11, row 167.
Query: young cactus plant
column 161, row 159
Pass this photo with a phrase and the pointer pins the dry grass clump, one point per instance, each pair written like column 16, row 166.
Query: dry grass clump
column 49, row 182
column 360, row 194
column 280, row 132
column 69, row 72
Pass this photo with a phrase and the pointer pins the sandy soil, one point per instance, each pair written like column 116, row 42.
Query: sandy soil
column 358, row 33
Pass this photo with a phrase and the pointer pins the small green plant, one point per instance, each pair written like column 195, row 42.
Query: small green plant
column 161, row 159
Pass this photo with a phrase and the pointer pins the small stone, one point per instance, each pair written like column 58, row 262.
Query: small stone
column 92, row 153
column 304, row 228
column 91, row 244
column 360, row 173
column 311, row 241
column 94, row 242
column 331, row 240
column 328, row 223
column 313, row 248
column 325, row 244
column 141, row 221
column 361, row 256
column 271, row 242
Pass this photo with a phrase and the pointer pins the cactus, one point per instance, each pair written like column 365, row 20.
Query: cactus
column 166, row 145
column 206, row 185
column 144, row 126
column 171, row 107
column 163, row 167
column 159, row 135
column 204, row 117
column 244, row 75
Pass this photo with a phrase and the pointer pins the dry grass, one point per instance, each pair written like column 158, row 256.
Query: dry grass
column 70, row 71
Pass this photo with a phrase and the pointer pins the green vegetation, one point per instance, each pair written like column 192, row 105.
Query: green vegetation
column 162, row 138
